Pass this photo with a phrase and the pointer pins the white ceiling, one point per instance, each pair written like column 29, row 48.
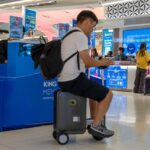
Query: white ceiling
column 58, row 2
column 59, row 5
column 64, row 2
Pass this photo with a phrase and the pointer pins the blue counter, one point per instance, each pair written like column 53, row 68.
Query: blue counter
column 26, row 99
column 115, row 76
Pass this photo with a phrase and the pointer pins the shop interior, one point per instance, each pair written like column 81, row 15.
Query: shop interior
column 26, row 99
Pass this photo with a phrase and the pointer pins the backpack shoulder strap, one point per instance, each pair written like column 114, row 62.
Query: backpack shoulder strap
column 78, row 60
column 70, row 56
column 72, row 31
column 76, row 53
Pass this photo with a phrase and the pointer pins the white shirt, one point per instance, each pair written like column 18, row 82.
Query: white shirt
column 76, row 41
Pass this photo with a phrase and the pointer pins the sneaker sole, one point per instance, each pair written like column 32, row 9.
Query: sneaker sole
column 94, row 133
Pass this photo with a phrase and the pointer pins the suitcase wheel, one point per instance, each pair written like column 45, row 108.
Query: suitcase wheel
column 62, row 138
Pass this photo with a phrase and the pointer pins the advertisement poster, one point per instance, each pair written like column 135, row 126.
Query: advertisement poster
column 62, row 29
column 133, row 38
column 113, row 76
column 74, row 23
column 116, row 76
column 107, row 41
column 15, row 27
column 93, row 40
column 96, row 74
column 29, row 21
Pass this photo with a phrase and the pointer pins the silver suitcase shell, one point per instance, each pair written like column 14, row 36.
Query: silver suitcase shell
column 70, row 113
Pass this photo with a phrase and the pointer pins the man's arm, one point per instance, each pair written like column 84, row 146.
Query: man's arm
column 91, row 62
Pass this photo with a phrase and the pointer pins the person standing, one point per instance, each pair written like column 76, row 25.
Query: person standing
column 142, row 59
column 73, row 79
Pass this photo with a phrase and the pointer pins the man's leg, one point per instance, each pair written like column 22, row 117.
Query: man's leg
column 102, row 108
column 93, row 108
column 96, row 128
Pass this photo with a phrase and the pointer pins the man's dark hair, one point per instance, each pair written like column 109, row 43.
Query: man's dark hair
column 121, row 49
column 85, row 14
column 110, row 53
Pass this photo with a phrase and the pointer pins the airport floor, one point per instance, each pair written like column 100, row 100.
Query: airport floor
column 128, row 116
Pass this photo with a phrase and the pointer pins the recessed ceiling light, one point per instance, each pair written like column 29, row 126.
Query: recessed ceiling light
column 13, row 7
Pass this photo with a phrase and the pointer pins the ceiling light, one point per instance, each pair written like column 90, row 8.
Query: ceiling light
column 50, row 1
column 20, row 2
column 106, row 3
column 13, row 7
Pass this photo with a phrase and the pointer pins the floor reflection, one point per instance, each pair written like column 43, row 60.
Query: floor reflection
column 128, row 116
column 122, row 110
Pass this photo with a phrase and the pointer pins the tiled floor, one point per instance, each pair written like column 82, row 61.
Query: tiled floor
column 129, row 116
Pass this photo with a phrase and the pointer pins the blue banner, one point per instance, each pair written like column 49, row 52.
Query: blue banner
column 133, row 38
column 15, row 27
column 30, row 21
column 63, row 29
column 107, row 41
column 74, row 23
column 93, row 40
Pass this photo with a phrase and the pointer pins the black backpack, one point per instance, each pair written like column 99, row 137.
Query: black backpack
column 48, row 57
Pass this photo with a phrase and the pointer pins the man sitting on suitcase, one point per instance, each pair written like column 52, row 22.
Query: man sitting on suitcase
column 73, row 79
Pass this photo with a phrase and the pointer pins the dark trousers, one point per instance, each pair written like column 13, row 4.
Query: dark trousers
column 139, row 80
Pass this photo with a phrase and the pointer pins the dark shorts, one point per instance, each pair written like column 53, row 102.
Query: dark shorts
column 84, row 87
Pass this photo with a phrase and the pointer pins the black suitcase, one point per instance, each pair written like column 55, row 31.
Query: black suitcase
column 147, row 85
column 69, row 116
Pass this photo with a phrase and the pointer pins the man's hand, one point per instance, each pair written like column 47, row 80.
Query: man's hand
column 91, row 62
column 106, row 62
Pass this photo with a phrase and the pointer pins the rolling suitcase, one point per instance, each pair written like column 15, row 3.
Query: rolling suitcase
column 147, row 85
column 69, row 116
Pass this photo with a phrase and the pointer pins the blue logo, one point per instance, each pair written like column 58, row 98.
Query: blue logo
column 131, row 48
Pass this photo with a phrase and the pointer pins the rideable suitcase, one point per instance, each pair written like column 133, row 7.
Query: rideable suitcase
column 69, row 116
